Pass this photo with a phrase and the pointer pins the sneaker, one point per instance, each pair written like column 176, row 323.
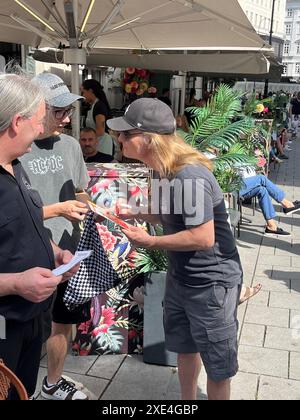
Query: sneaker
column 283, row 157
column 292, row 209
column 62, row 390
column 276, row 232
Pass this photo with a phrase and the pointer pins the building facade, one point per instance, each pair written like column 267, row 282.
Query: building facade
column 259, row 13
column 291, row 50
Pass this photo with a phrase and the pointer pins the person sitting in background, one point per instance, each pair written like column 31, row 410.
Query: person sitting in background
column 260, row 186
column 89, row 142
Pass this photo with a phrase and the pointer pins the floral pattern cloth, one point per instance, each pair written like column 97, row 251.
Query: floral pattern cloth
column 116, row 324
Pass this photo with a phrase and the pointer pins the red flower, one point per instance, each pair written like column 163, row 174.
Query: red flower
column 134, row 190
column 106, row 321
column 262, row 162
column 84, row 352
column 130, row 70
column 132, row 334
column 107, row 238
column 112, row 173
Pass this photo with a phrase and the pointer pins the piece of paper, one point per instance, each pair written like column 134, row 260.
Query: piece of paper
column 78, row 257
column 112, row 217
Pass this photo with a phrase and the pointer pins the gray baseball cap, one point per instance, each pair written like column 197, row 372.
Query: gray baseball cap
column 56, row 92
column 146, row 114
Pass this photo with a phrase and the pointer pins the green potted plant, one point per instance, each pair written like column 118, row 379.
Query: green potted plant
column 223, row 129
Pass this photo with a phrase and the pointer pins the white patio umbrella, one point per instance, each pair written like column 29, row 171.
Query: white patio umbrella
column 204, row 63
column 78, row 26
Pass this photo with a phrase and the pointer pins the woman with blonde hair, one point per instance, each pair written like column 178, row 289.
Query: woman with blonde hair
column 204, row 271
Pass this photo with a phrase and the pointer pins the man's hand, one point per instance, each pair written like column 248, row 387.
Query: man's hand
column 139, row 237
column 73, row 210
column 36, row 284
column 63, row 257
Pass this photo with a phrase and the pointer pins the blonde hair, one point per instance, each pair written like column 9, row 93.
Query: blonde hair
column 172, row 154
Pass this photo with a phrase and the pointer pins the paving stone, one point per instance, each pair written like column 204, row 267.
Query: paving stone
column 263, row 361
column 284, row 261
column 76, row 364
column 283, row 339
column 274, row 285
column 295, row 366
column 267, row 316
column 295, row 319
column 284, row 300
column 106, row 366
column 264, row 271
column 279, row 273
column 156, row 380
column 295, row 286
column 296, row 262
column 244, row 386
column 252, row 335
column 261, row 298
column 267, row 250
column 278, row 389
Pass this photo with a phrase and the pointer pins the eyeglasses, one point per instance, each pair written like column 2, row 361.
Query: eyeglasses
column 129, row 134
column 62, row 113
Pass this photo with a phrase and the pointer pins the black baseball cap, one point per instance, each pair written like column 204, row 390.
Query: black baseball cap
column 145, row 114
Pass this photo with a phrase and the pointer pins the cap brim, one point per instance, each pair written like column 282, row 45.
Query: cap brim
column 64, row 100
column 119, row 124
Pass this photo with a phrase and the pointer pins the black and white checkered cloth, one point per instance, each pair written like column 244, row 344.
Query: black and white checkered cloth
column 95, row 275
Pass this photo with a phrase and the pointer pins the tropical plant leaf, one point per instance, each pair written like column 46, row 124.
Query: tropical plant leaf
column 234, row 160
column 225, row 138
column 111, row 341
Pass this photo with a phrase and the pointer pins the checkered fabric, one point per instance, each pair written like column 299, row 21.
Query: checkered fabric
column 95, row 274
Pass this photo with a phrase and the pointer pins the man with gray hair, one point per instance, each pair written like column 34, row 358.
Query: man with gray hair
column 27, row 255
column 57, row 170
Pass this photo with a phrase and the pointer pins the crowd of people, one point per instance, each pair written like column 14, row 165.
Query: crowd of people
column 43, row 181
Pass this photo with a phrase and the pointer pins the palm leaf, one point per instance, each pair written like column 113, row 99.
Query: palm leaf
column 234, row 160
column 223, row 107
column 225, row 138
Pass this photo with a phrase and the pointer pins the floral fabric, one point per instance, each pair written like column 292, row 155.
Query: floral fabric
column 116, row 324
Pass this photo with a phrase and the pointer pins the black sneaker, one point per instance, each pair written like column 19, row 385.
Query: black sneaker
column 276, row 232
column 292, row 209
column 62, row 390
column 285, row 157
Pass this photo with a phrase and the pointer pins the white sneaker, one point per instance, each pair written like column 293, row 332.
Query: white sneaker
column 62, row 390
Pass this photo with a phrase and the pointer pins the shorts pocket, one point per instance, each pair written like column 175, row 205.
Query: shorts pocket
column 218, row 296
column 216, row 335
column 222, row 347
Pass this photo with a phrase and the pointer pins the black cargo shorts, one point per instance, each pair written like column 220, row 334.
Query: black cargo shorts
column 203, row 320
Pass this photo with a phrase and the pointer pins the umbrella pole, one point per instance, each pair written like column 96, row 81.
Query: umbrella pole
column 183, row 89
column 75, row 89
column 75, row 57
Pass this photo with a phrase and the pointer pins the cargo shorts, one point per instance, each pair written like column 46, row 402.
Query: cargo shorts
column 203, row 320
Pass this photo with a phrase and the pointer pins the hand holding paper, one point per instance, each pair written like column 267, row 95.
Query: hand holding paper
column 109, row 216
column 78, row 257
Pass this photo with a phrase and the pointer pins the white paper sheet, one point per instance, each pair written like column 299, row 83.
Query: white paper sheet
column 78, row 257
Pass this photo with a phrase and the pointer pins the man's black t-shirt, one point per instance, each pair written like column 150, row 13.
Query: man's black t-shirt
column 24, row 242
